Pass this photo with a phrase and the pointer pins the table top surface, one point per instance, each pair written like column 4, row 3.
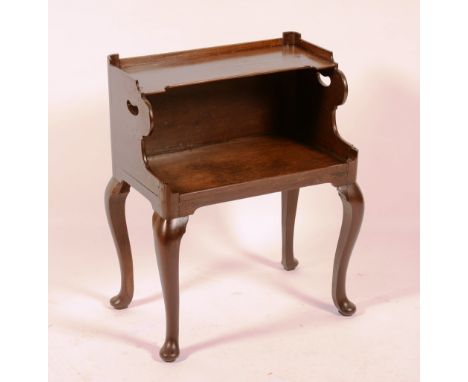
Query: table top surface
column 157, row 73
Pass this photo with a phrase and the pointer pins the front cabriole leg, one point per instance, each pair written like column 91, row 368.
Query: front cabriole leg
column 353, row 210
column 167, row 236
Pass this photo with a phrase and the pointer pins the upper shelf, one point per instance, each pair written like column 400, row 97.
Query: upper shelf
column 156, row 73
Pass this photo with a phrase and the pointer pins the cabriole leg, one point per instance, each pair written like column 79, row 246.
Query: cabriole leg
column 115, row 196
column 353, row 210
column 167, row 236
column 288, row 216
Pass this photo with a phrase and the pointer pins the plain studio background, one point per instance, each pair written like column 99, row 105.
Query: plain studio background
column 242, row 317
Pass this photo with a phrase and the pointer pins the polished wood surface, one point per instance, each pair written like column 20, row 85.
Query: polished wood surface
column 115, row 196
column 288, row 217
column 292, row 104
column 156, row 73
column 220, row 111
column 167, row 236
column 353, row 211
column 205, row 126
column 239, row 161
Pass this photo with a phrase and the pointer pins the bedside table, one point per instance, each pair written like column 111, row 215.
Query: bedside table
column 205, row 126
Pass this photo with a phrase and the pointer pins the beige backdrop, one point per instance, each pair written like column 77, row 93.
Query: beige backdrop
column 242, row 318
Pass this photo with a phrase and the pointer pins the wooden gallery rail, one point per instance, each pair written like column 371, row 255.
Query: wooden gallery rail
column 205, row 126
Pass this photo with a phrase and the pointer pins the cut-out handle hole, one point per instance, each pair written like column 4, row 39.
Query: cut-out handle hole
column 324, row 80
column 132, row 108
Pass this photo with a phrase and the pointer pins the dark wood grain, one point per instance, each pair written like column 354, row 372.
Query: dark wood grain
column 237, row 161
column 353, row 211
column 205, row 126
column 158, row 72
column 167, row 236
column 115, row 196
column 202, row 114
column 288, row 217
column 291, row 103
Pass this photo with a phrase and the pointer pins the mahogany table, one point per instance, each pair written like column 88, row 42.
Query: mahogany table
column 205, row 126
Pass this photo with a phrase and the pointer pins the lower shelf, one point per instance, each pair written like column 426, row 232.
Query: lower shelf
column 238, row 161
